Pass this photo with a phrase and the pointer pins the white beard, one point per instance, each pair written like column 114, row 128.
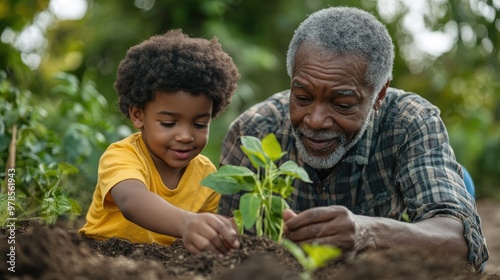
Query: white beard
column 327, row 161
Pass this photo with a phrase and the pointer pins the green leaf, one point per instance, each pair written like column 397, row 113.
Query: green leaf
column 238, row 220
column 250, row 205
column 271, row 147
column 222, row 184
column 295, row 250
column 67, row 169
column 252, row 144
column 252, row 147
column 76, row 209
column 230, row 179
column 321, row 254
column 49, row 206
column 291, row 168
column 282, row 187
column 63, row 204
column 2, row 126
column 234, row 171
column 258, row 159
column 273, row 227
column 278, row 204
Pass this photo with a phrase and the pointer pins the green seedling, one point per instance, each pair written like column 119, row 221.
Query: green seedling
column 263, row 202
column 311, row 256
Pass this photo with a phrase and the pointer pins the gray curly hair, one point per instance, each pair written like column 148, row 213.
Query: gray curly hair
column 348, row 30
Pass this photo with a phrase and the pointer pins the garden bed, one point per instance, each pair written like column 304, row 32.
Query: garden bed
column 50, row 252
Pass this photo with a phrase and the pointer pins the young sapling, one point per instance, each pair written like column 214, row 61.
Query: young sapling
column 265, row 190
column 311, row 256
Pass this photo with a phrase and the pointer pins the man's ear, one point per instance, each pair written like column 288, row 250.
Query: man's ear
column 136, row 116
column 381, row 96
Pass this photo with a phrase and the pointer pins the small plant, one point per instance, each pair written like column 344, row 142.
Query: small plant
column 311, row 256
column 262, row 206
column 34, row 181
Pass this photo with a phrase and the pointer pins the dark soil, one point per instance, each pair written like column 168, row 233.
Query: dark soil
column 44, row 252
column 489, row 210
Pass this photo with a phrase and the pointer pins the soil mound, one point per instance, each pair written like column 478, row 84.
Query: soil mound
column 50, row 252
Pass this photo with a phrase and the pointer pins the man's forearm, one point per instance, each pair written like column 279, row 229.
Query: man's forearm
column 439, row 236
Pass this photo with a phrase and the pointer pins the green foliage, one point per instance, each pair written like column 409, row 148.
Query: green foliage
column 311, row 256
column 39, row 180
column 263, row 203
column 90, row 122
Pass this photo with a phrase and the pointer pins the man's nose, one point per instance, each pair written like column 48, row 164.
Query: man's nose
column 319, row 117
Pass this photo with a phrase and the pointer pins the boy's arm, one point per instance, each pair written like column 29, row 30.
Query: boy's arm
column 199, row 231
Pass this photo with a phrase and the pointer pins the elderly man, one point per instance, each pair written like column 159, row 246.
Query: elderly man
column 372, row 152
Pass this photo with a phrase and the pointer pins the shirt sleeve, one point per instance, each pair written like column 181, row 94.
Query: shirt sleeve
column 117, row 164
column 431, row 179
column 212, row 203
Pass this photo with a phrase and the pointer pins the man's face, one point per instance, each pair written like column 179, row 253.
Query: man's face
column 330, row 105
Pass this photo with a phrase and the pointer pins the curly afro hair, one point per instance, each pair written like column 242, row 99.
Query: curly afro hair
column 175, row 62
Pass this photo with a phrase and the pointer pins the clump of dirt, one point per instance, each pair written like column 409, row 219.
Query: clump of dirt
column 181, row 263
column 55, row 253
column 50, row 252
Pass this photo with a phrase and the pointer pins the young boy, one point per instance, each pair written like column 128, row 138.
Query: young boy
column 148, row 189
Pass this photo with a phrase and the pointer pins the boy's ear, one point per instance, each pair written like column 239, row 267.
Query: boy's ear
column 136, row 116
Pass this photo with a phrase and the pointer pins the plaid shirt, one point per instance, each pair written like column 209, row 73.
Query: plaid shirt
column 403, row 162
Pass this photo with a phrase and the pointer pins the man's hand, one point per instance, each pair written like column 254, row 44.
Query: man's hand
column 337, row 226
column 207, row 231
column 333, row 225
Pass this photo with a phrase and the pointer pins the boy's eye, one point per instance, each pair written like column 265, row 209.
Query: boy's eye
column 167, row 124
column 201, row 125
column 172, row 124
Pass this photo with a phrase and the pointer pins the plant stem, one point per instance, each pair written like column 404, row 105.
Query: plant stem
column 11, row 161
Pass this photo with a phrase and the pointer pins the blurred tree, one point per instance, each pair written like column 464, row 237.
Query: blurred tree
column 445, row 50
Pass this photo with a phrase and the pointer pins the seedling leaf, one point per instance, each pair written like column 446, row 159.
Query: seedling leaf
column 252, row 147
column 257, row 159
column 274, row 224
column 252, row 144
column 250, row 209
column 235, row 171
column 320, row 254
column 282, row 187
column 267, row 188
column 293, row 169
column 295, row 250
column 238, row 220
column 224, row 185
column 272, row 147
column 277, row 206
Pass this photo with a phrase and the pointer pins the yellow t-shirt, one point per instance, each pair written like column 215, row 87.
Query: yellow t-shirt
column 130, row 159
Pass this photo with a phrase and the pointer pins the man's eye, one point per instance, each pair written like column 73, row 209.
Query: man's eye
column 344, row 106
column 302, row 99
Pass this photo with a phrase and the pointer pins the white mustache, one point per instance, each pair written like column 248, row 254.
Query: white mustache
column 322, row 135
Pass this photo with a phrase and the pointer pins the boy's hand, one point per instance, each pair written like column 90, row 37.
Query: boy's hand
column 207, row 231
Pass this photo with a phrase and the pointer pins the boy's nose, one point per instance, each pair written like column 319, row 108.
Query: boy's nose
column 184, row 135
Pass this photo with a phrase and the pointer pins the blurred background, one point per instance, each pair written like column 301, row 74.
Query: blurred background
column 58, row 61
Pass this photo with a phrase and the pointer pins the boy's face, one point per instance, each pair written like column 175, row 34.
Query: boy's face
column 175, row 127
